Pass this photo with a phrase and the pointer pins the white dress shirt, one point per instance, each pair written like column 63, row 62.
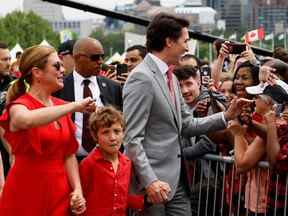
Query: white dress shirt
column 78, row 92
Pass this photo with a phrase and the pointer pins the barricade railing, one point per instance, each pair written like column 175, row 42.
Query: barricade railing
column 218, row 189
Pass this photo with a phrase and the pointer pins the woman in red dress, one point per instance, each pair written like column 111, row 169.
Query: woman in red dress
column 44, row 179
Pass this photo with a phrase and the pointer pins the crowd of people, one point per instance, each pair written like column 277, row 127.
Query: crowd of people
column 85, row 138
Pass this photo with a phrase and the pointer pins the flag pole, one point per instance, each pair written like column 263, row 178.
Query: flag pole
column 198, row 49
column 210, row 52
column 273, row 41
column 285, row 45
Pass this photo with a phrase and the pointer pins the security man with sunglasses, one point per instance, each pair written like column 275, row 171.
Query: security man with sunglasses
column 84, row 81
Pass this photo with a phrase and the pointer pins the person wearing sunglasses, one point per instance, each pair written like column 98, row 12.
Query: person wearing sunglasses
column 44, row 179
column 85, row 81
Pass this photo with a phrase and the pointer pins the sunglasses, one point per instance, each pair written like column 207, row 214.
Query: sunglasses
column 94, row 57
column 57, row 65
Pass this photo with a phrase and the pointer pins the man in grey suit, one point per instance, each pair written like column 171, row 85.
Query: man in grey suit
column 157, row 117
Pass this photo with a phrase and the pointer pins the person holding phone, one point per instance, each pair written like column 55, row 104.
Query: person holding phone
column 134, row 56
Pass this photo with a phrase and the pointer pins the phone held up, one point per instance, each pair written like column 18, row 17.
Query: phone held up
column 121, row 69
column 205, row 75
column 236, row 48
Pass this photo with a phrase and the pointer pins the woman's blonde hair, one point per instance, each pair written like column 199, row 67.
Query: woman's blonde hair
column 35, row 56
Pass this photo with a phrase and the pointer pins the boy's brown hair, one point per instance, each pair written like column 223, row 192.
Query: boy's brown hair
column 105, row 117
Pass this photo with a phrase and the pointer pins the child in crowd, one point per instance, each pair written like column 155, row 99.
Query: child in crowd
column 105, row 172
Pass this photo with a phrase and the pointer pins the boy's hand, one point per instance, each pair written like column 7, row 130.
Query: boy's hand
column 77, row 203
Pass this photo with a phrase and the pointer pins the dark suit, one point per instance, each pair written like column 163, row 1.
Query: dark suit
column 110, row 92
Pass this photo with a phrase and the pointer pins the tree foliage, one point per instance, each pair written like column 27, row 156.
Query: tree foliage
column 112, row 41
column 27, row 29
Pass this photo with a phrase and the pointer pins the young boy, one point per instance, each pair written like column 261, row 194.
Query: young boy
column 105, row 172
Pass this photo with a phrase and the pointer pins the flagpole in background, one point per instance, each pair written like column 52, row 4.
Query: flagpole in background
column 273, row 42
column 285, row 39
column 198, row 49
column 210, row 52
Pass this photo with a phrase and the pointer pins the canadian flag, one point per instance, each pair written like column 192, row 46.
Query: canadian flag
column 257, row 34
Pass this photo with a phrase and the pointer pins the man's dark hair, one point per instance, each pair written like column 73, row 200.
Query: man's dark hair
column 280, row 66
column 18, row 54
column 3, row 45
column 161, row 27
column 142, row 50
column 189, row 56
column 185, row 72
column 280, row 53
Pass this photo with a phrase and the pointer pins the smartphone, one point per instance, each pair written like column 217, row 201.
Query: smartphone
column 121, row 68
column 236, row 48
column 205, row 75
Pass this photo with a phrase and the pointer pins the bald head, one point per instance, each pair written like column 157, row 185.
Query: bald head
column 88, row 54
column 82, row 45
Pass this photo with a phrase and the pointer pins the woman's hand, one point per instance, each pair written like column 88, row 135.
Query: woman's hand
column 77, row 202
column 224, row 50
column 249, row 55
column 86, row 105
column 270, row 118
column 236, row 128
column 266, row 74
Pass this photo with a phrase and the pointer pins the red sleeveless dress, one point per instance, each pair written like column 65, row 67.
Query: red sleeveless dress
column 37, row 184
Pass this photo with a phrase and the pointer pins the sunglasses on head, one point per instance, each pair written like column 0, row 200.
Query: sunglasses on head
column 94, row 57
column 57, row 66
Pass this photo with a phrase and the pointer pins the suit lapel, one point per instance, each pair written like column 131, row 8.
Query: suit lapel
column 163, row 85
column 103, row 91
column 69, row 88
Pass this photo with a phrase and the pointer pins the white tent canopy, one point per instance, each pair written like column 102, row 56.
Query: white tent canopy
column 14, row 50
column 114, row 58
column 45, row 43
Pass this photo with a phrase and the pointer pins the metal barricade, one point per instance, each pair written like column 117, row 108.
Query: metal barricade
column 219, row 190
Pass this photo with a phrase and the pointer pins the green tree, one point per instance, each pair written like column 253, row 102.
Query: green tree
column 27, row 29
column 112, row 41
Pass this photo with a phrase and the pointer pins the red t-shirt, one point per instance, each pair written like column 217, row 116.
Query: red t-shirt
column 106, row 192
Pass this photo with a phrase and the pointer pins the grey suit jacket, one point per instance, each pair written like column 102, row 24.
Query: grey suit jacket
column 154, row 125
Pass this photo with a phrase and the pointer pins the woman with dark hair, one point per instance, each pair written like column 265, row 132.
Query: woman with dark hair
column 44, row 179
column 245, row 75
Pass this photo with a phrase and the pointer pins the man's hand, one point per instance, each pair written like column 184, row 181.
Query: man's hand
column 235, row 108
column 122, row 78
column 158, row 192
column 201, row 107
